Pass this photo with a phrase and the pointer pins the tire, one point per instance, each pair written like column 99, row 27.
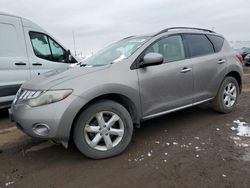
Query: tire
column 120, row 133
column 221, row 103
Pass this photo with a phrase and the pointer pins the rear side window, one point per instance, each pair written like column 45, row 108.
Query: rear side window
column 198, row 45
column 217, row 42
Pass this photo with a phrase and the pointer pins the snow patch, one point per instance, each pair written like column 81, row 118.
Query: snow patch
column 243, row 128
column 197, row 148
column 175, row 143
column 149, row 154
column 243, row 135
column 235, row 138
column 9, row 183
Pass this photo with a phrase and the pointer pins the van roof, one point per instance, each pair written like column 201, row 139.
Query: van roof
column 26, row 22
column 7, row 14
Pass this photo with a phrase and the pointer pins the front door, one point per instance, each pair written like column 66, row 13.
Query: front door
column 167, row 86
column 45, row 54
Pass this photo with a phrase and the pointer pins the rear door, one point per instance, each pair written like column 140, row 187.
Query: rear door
column 167, row 86
column 45, row 53
column 209, row 64
column 14, row 65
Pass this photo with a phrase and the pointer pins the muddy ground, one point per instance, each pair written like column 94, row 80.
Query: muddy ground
column 191, row 148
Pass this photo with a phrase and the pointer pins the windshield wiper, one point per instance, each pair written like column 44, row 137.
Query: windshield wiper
column 83, row 65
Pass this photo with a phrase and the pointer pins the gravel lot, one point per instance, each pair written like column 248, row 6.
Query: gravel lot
column 191, row 148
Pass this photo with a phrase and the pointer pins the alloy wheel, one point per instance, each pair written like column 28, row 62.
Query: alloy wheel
column 229, row 95
column 104, row 130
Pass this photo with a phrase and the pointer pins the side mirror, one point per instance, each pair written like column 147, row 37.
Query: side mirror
column 69, row 56
column 152, row 59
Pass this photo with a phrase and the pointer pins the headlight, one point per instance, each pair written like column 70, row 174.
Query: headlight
column 49, row 97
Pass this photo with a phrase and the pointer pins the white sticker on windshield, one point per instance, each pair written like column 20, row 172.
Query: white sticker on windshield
column 137, row 40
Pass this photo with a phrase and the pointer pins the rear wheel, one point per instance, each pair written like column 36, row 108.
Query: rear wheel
column 227, row 96
column 103, row 130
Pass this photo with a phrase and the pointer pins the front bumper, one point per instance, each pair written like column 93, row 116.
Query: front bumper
column 58, row 117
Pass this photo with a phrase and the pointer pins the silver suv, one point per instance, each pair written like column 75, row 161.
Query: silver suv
column 135, row 79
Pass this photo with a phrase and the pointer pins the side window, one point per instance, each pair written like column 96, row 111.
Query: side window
column 40, row 45
column 8, row 41
column 171, row 48
column 217, row 42
column 58, row 52
column 46, row 48
column 198, row 45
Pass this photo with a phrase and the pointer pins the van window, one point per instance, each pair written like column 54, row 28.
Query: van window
column 8, row 41
column 40, row 45
column 217, row 42
column 46, row 48
column 58, row 52
column 171, row 48
column 198, row 45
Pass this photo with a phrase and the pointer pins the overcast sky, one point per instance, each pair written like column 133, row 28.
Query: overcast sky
column 98, row 23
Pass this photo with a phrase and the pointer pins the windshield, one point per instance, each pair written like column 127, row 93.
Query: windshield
column 116, row 52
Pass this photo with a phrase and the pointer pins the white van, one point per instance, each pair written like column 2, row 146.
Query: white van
column 26, row 50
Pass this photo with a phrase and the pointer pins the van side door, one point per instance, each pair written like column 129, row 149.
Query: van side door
column 14, row 65
column 45, row 53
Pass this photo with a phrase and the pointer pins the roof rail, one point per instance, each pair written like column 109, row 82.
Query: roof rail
column 191, row 28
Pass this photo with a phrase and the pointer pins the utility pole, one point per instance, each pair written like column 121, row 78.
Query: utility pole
column 74, row 41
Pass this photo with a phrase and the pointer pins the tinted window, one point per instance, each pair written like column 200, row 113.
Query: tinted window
column 217, row 42
column 9, row 44
column 198, row 45
column 171, row 48
column 46, row 48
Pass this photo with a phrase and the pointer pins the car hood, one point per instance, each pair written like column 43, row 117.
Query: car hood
column 55, row 77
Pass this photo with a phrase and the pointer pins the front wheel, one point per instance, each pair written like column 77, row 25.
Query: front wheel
column 227, row 96
column 103, row 130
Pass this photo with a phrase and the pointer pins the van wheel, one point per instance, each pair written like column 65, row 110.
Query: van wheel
column 103, row 130
column 227, row 96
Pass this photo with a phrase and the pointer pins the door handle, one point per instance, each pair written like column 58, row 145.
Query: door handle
column 37, row 64
column 221, row 61
column 186, row 69
column 20, row 64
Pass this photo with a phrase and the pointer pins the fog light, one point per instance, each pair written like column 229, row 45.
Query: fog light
column 41, row 129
